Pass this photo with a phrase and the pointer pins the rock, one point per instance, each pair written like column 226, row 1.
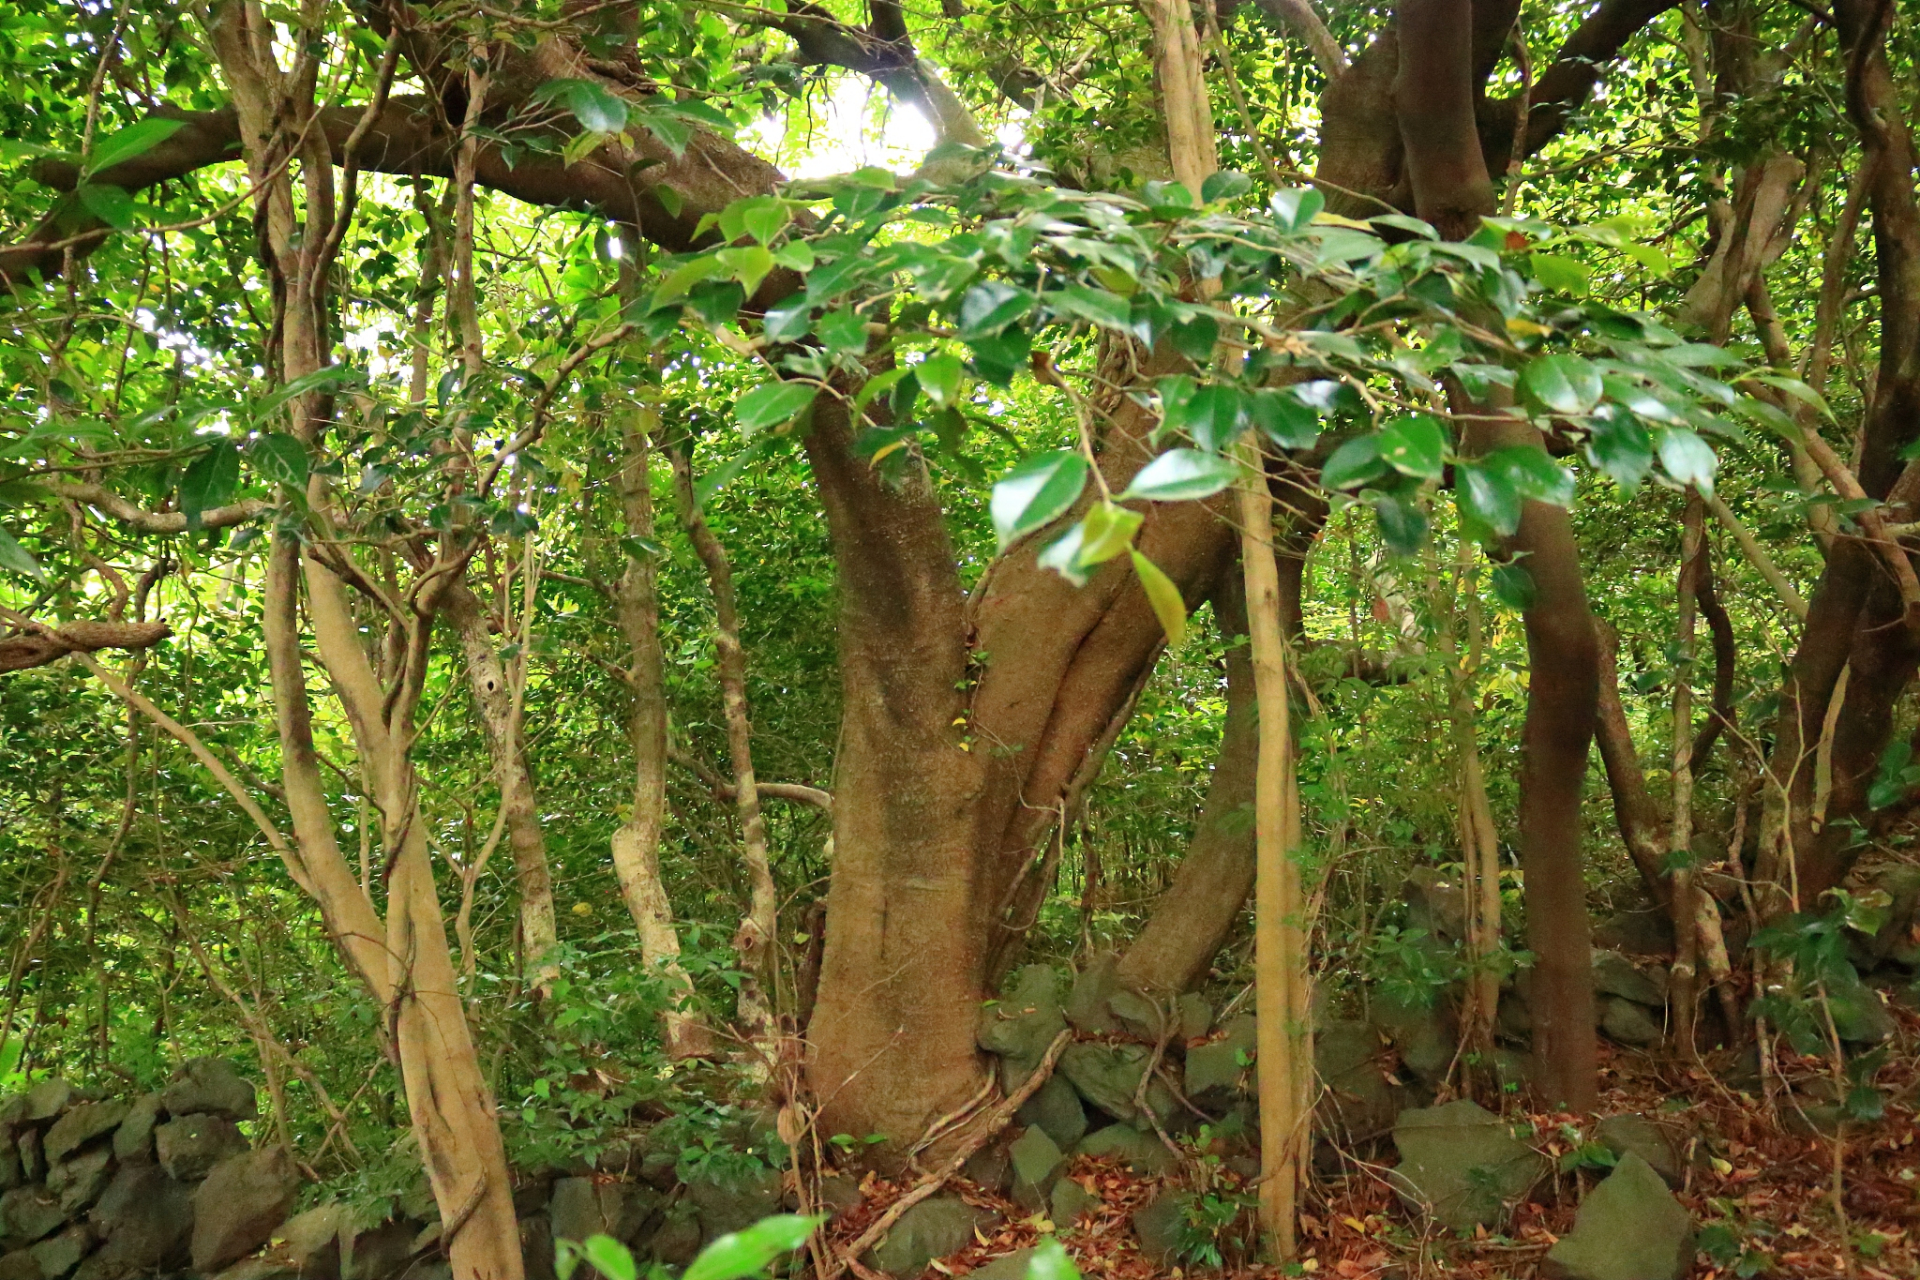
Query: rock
column 1359, row 1101
column 209, row 1086
column 19, row 1265
column 1138, row 1015
column 79, row 1126
column 1160, row 1225
column 10, row 1176
column 1425, row 1035
column 1895, row 935
column 536, row 1248
column 1142, row 1152
column 133, row 1140
column 1088, row 1007
column 1644, row 1138
column 48, row 1099
column 1615, row 975
column 146, row 1219
column 1021, row 1025
column 581, row 1208
column 1436, row 904
column 1629, row 1228
column 1638, row 931
column 1056, row 1108
column 1859, row 1014
column 1195, row 1014
column 263, row 1268
column 1036, row 1160
column 1462, row 1164
column 736, row 1204
column 33, row 1164
column 991, row 1168
column 57, row 1255
column 1008, row 1266
column 1068, row 1201
column 1106, row 1075
column 377, row 1254
column 191, row 1145
column 28, row 1213
column 237, row 1208
column 1627, row 1022
column 677, row 1241
column 1213, row 1069
column 79, row 1181
column 313, row 1240
column 1514, row 1021
column 934, row 1228
column 839, row 1192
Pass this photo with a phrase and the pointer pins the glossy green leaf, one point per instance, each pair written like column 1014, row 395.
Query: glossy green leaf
column 991, row 306
column 749, row 264
column 943, row 378
column 1688, row 459
column 14, row 558
column 1225, row 185
column 1354, row 464
column 592, row 104
column 1062, row 555
column 1415, row 445
column 843, row 331
column 1295, row 207
column 752, row 1251
column 1563, row 384
column 1050, row 1261
column 610, row 1258
column 280, row 459
column 1403, row 526
column 1035, row 493
column 1096, row 306
column 130, row 142
column 335, row 377
column 1105, row 531
column 1181, row 475
column 1559, row 273
column 1488, row 495
column 772, row 404
column 1164, row 597
column 210, row 481
column 1282, row 417
column 1513, row 585
column 1214, row 415
column 111, row 205
column 1533, row 474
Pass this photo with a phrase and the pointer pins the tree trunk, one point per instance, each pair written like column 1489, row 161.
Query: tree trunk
column 636, row 845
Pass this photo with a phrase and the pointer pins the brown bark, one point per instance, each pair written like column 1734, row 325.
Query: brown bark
column 1642, row 826
column 37, row 648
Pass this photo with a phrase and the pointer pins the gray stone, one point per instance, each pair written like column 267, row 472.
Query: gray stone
column 1895, row 937
column 1069, row 1200
column 536, row 1248
column 133, row 1140
column 1629, row 1228
column 1213, row 1069
column 1106, row 1075
column 1138, row 1015
column 1462, row 1164
column 1196, row 1016
column 991, row 1168
column 79, row 1126
column 146, row 1218
column 1425, row 1035
column 1514, row 1021
column 1056, row 1108
column 1859, row 1014
column 48, row 1099
column 377, row 1254
column 57, row 1255
column 735, row 1204
column 28, row 1213
column 1021, row 1025
column 267, row 1267
column 934, row 1228
column 1142, row 1152
column 1008, row 1266
column 1626, row 1022
column 1359, row 1101
column 19, row 1265
column 10, row 1176
column 581, row 1208
column 1036, row 1160
column 1436, row 904
column 677, row 1241
column 1089, row 1007
column 237, row 1208
column 1639, row 931
column 313, row 1240
column 79, row 1181
column 1615, row 975
column 191, row 1145
column 33, row 1162
column 1644, row 1138
column 13, row 1108
column 210, row 1086
column 1161, row 1223
column 839, row 1192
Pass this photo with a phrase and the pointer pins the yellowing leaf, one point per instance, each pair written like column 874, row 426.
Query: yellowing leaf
column 1164, row 597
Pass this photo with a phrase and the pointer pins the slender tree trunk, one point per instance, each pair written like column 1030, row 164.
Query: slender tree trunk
column 636, row 845
column 1680, row 840
column 754, row 941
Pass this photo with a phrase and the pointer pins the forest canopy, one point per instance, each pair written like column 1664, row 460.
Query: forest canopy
column 572, row 569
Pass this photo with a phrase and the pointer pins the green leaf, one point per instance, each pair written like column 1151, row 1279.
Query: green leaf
column 1533, row 474
column 1284, row 419
column 125, row 144
column 1295, row 207
column 1035, row 493
column 1513, row 585
column 991, row 306
column 1225, row 185
column 1050, row 1262
column 844, row 331
column 1487, row 495
column 610, row 1258
column 1164, row 597
column 1415, row 445
column 749, row 1252
column 943, row 378
column 1564, row 384
column 1096, row 306
column 331, row 378
column 1559, row 273
column 1214, row 415
column 687, row 275
column 1402, row 524
column 210, row 481
column 14, row 557
column 749, row 264
column 773, row 404
column 1688, row 459
column 112, row 205
column 1105, row 532
column 1181, row 475
column 592, row 104
column 785, row 323
column 1354, row 464
column 280, row 459
column 1062, row 555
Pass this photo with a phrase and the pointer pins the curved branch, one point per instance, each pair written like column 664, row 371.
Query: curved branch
column 103, row 499
column 38, row 647
column 1305, row 23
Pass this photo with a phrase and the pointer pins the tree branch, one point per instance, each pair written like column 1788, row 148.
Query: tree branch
column 37, row 647
column 1299, row 15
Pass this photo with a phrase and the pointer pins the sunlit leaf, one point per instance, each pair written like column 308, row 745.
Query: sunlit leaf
column 210, row 481
column 1168, row 606
column 749, row 1252
column 772, row 404
column 1181, row 475
column 1106, row 531
column 1035, row 493
column 125, row 144
column 1562, row 383
column 1414, row 444
column 14, row 558
column 1688, row 459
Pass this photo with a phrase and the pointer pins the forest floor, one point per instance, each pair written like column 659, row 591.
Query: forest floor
column 1759, row 1182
